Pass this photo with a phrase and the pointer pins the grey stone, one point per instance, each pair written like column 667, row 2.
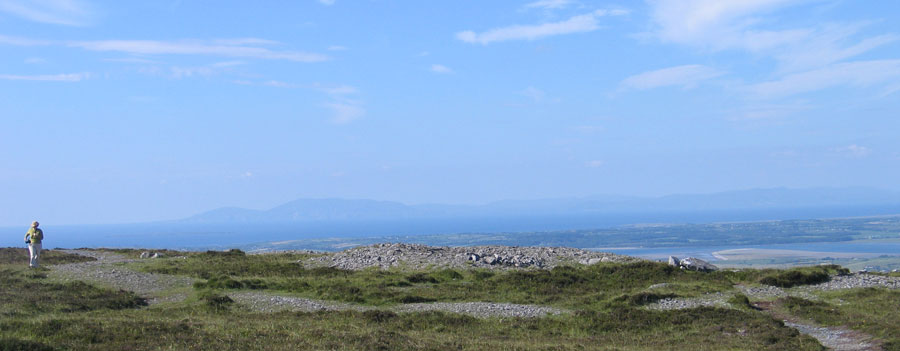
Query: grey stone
column 673, row 261
column 696, row 264
column 595, row 260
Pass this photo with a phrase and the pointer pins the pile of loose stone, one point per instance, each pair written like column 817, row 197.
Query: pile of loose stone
column 418, row 256
column 858, row 280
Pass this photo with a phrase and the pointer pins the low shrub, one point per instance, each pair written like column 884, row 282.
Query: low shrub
column 741, row 301
column 215, row 301
column 644, row 298
column 22, row 345
column 802, row 276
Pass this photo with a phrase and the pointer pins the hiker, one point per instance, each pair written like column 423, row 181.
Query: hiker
column 33, row 238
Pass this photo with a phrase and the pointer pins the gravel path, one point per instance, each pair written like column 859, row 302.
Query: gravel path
column 833, row 338
column 709, row 300
column 108, row 270
column 839, row 339
column 482, row 309
column 269, row 302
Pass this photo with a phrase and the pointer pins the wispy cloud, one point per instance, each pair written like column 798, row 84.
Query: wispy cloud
column 436, row 68
column 62, row 12
column 19, row 41
column 179, row 72
column 66, row 77
column 577, row 24
column 736, row 25
column 687, row 76
column 345, row 112
column 134, row 60
column 857, row 74
column 853, row 151
column 535, row 94
column 235, row 48
column 594, row 164
column 35, row 60
column 326, row 2
column 337, row 48
column 548, row 4
column 154, row 47
column 335, row 90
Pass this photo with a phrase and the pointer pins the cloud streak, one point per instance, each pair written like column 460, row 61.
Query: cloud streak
column 60, row 12
column 548, row 4
column 687, row 76
column 436, row 68
column 735, row 25
column 857, row 74
column 154, row 47
column 233, row 48
column 577, row 24
column 65, row 77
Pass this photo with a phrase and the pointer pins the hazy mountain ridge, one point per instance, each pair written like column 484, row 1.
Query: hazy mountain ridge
column 361, row 209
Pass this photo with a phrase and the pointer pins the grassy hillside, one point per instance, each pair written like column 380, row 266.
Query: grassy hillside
column 605, row 307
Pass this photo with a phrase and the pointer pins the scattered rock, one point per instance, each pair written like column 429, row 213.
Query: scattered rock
column 147, row 254
column 692, row 263
column 482, row 309
column 492, row 257
column 107, row 270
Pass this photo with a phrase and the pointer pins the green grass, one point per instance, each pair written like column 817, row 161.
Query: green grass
column 873, row 311
column 26, row 292
column 565, row 286
column 11, row 255
column 802, row 276
column 606, row 299
column 201, row 329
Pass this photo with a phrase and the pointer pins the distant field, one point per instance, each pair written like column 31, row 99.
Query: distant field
column 760, row 258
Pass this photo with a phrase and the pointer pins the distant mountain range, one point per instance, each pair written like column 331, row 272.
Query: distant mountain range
column 307, row 210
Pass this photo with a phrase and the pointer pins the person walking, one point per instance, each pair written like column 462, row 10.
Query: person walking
column 33, row 238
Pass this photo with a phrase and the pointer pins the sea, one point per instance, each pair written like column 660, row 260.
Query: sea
column 201, row 236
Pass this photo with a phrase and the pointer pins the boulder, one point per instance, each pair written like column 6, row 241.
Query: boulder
column 595, row 260
column 673, row 261
column 692, row 263
column 145, row 254
column 696, row 264
column 492, row 259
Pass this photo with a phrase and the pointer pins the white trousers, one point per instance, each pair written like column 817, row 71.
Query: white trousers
column 35, row 251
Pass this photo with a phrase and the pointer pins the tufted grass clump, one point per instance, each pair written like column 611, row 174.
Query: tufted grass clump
column 741, row 301
column 23, row 292
column 19, row 256
column 802, row 276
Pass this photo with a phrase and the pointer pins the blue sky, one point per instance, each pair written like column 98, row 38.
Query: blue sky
column 124, row 111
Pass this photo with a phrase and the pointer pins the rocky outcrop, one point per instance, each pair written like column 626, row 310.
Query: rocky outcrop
column 692, row 263
column 148, row 254
column 490, row 257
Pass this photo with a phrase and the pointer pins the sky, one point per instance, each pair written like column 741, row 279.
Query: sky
column 131, row 111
